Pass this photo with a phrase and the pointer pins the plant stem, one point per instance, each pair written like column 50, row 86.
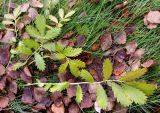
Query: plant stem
column 78, row 83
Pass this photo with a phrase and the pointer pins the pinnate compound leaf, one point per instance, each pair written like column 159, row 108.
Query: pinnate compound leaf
column 17, row 11
column 146, row 88
column 102, row 98
column 86, row 76
column 134, row 74
column 47, row 86
column 107, row 69
column 72, row 52
column 62, row 68
column 53, row 18
column 30, row 43
column 134, row 94
column 41, row 24
column 40, row 63
column 79, row 94
column 33, row 32
column 52, row 33
column 59, row 86
column 120, row 95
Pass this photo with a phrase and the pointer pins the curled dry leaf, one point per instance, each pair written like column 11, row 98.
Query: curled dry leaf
column 138, row 53
column 148, row 63
column 120, row 37
column 119, row 68
column 131, row 47
column 106, row 41
column 74, row 108
column 5, row 54
column 71, row 91
column 8, row 37
column 56, row 109
column 32, row 13
column 129, row 28
column 11, row 96
column 86, row 102
column 36, row 3
column 24, row 7
column 2, row 70
column 152, row 19
column 38, row 107
column 68, row 34
column 4, row 102
column 27, row 96
column 135, row 65
column 26, row 19
column 13, row 87
column 66, row 100
column 95, row 46
column 38, row 94
column 80, row 40
column 26, row 78
column 2, row 83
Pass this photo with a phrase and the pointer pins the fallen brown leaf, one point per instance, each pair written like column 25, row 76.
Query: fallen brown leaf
column 74, row 108
column 148, row 63
column 106, row 41
column 120, row 37
column 56, row 109
column 4, row 102
column 36, row 3
column 27, row 96
column 2, row 70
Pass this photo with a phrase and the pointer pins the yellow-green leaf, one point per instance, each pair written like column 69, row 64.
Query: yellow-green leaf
column 101, row 95
column 30, row 43
column 17, row 11
column 135, row 95
column 148, row 89
column 86, row 76
column 9, row 16
column 79, row 94
column 59, row 86
column 40, row 24
column 40, row 63
column 61, row 13
column 69, row 14
column 53, row 18
column 107, row 69
column 134, row 74
column 7, row 22
column 62, row 67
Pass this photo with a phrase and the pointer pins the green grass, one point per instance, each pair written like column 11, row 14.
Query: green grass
column 99, row 18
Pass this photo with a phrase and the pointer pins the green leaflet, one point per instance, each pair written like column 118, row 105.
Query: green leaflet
column 41, row 24
column 59, row 56
column 78, row 63
column 74, row 69
column 62, row 68
column 59, row 87
column 52, row 33
column 49, row 46
column 72, row 52
column 107, row 69
column 40, row 63
column 146, row 88
column 23, row 49
column 102, row 98
column 33, row 32
column 120, row 95
column 59, row 47
column 79, row 94
column 47, row 86
column 134, row 94
column 86, row 76
column 30, row 43
column 134, row 74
